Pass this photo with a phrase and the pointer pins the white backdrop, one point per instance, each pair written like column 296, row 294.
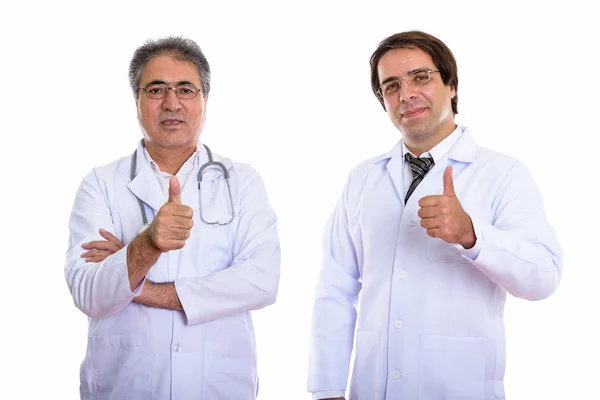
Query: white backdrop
column 291, row 96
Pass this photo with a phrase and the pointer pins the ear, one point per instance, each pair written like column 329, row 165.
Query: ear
column 452, row 92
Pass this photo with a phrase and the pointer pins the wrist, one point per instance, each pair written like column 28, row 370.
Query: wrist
column 147, row 242
column 469, row 238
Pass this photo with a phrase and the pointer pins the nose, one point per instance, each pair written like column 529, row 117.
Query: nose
column 407, row 92
column 171, row 101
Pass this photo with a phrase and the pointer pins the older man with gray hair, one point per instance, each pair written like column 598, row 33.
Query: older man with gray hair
column 180, row 245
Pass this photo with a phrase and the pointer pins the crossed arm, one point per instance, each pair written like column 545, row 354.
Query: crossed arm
column 159, row 295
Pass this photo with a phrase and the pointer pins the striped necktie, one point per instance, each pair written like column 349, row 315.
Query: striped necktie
column 419, row 168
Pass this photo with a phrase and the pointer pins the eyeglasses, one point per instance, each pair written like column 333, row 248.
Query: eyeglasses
column 415, row 78
column 160, row 91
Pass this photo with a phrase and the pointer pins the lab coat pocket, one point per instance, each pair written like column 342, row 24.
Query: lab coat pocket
column 442, row 252
column 365, row 375
column 116, row 367
column 452, row 368
column 230, row 364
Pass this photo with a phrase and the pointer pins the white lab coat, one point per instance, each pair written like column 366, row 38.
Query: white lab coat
column 206, row 352
column 430, row 320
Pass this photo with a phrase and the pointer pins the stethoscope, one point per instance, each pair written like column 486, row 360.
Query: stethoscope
column 202, row 168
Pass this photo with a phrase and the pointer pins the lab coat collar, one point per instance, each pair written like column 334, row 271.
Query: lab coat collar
column 464, row 150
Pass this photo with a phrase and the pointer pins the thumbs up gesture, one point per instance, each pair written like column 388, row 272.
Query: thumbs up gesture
column 171, row 227
column 444, row 217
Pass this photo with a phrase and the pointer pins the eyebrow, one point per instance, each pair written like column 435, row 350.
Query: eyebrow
column 395, row 78
column 159, row 82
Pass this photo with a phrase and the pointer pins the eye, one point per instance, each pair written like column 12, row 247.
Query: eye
column 155, row 89
column 419, row 78
column 185, row 89
column 391, row 87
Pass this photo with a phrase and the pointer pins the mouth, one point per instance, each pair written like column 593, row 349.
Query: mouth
column 172, row 122
column 413, row 112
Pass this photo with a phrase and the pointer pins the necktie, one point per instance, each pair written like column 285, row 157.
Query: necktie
column 419, row 168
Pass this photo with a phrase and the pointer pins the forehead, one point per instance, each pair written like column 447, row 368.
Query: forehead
column 170, row 70
column 398, row 62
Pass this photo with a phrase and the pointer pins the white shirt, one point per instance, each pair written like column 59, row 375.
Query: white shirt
column 428, row 315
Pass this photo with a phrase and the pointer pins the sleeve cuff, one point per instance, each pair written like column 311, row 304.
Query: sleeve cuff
column 473, row 252
column 138, row 290
column 328, row 394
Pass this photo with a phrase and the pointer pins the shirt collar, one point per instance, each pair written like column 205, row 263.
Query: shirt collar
column 185, row 168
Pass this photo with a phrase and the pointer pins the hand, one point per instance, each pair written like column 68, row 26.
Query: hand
column 444, row 217
column 98, row 250
column 171, row 227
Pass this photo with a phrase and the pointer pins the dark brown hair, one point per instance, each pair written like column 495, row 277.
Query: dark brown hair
column 440, row 54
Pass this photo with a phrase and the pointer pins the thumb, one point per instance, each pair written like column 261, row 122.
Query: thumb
column 448, row 182
column 174, row 191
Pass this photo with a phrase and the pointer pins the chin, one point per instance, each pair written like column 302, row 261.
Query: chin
column 415, row 130
column 171, row 142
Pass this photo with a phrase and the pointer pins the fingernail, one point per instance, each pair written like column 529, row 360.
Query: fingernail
column 102, row 230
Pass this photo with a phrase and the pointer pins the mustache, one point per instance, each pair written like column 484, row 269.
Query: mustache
column 172, row 116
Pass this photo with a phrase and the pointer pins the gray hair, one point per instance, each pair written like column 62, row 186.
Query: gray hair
column 180, row 48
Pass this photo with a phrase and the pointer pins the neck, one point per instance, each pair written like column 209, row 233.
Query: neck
column 418, row 147
column 170, row 160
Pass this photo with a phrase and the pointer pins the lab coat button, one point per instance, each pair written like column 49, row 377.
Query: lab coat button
column 177, row 348
column 402, row 274
column 396, row 374
column 399, row 324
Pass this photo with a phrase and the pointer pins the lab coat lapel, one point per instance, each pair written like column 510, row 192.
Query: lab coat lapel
column 394, row 168
column 145, row 185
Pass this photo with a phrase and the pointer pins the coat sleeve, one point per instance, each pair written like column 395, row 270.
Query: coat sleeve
column 251, row 281
column 334, row 311
column 519, row 249
column 98, row 289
